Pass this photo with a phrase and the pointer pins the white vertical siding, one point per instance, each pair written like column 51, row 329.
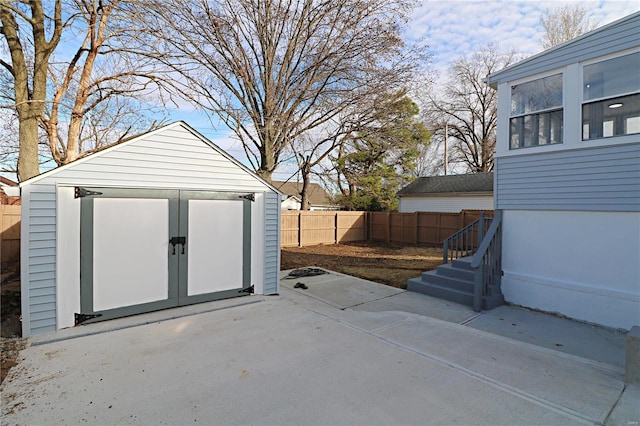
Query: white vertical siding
column 67, row 257
column 448, row 204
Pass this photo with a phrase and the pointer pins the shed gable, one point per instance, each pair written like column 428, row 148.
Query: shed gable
column 173, row 156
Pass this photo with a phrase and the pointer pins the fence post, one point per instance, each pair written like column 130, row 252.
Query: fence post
column 367, row 226
column 335, row 228
column 388, row 227
column 415, row 234
column 299, row 229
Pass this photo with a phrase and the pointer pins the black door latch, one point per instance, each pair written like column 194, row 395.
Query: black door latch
column 178, row 240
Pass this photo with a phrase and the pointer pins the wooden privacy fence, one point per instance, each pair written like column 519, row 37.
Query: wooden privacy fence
column 305, row 228
column 9, row 234
column 419, row 228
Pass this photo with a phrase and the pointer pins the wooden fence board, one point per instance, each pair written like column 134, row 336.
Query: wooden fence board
column 9, row 233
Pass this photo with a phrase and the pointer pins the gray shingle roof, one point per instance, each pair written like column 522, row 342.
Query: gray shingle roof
column 451, row 184
column 317, row 195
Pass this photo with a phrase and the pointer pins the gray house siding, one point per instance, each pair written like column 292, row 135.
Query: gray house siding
column 172, row 157
column 272, row 243
column 594, row 179
column 42, row 258
column 615, row 37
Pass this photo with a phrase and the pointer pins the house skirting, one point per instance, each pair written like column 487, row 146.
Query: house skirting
column 583, row 265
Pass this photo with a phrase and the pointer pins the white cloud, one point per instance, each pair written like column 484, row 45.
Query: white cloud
column 454, row 28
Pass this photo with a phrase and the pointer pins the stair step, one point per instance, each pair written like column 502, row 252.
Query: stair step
column 441, row 292
column 463, row 263
column 449, row 270
column 434, row 277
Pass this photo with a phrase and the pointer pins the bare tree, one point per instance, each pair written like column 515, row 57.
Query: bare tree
column 98, row 91
column 31, row 34
column 565, row 23
column 275, row 69
column 467, row 107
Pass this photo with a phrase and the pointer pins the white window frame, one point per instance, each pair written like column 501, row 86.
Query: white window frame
column 604, row 139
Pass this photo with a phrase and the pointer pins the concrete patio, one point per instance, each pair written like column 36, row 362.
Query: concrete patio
column 345, row 351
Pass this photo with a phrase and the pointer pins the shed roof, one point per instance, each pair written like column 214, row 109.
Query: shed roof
column 317, row 195
column 451, row 184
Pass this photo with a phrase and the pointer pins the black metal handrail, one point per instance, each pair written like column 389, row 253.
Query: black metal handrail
column 487, row 263
column 465, row 242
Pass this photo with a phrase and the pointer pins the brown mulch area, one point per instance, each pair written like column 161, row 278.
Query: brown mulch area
column 11, row 342
column 383, row 263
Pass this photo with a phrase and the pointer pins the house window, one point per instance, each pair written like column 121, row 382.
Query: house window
column 611, row 97
column 536, row 113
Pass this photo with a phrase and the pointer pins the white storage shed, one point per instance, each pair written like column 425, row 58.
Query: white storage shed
column 163, row 220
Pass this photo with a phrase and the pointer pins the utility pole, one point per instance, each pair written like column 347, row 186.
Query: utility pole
column 446, row 149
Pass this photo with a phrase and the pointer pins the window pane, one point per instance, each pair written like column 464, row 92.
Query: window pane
column 556, row 126
column 536, row 129
column 537, row 95
column 515, row 130
column 613, row 77
column 611, row 117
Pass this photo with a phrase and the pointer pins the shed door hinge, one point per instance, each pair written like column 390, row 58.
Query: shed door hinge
column 249, row 290
column 250, row 197
column 80, row 318
column 83, row 192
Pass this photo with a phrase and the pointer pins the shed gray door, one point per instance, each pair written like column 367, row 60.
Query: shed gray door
column 144, row 250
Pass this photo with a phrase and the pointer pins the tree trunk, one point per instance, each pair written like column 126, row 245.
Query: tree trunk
column 304, row 193
column 28, row 166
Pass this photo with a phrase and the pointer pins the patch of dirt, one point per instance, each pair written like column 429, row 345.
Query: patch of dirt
column 9, row 350
column 10, row 327
column 389, row 264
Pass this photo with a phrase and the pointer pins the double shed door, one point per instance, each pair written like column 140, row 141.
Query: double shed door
column 145, row 250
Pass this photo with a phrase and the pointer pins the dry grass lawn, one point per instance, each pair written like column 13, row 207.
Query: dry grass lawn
column 379, row 262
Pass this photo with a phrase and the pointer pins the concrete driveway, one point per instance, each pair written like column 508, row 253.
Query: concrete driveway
column 309, row 357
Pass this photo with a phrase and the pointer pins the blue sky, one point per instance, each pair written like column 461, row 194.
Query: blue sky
column 454, row 28
column 451, row 28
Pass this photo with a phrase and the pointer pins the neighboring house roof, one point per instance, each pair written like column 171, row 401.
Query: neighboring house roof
column 7, row 182
column 451, row 184
column 9, row 191
column 317, row 195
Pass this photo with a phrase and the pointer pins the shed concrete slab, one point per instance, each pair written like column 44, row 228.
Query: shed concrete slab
column 561, row 334
column 270, row 363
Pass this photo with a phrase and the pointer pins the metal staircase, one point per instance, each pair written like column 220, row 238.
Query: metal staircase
column 471, row 271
